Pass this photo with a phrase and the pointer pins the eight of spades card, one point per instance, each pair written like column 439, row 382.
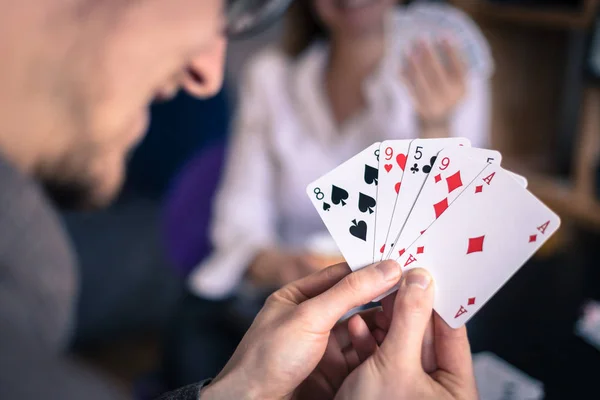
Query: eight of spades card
column 346, row 201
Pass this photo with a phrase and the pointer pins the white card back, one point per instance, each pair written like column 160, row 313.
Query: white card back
column 498, row 380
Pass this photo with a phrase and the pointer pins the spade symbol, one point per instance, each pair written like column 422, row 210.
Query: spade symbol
column 338, row 195
column 371, row 175
column 359, row 230
column 366, row 203
column 326, row 206
column 427, row 168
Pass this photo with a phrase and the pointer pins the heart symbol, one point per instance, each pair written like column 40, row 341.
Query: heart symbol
column 397, row 187
column 401, row 160
column 382, row 249
column 388, row 167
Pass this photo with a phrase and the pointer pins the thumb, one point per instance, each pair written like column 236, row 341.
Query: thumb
column 411, row 315
column 353, row 290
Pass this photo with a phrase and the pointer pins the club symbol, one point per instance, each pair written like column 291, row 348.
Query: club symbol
column 427, row 168
column 414, row 169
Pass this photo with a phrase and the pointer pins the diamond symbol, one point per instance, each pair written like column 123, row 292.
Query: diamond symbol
column 438, row 178
column 475, row 244
column 471, row 301
column 420, row 250
column 401, row 252
column 532, row 238
column 440, row 207
column 479, row 189
column 454, row 182
column 423, row 231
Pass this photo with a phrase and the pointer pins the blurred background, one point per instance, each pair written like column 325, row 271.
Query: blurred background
column 545, row 119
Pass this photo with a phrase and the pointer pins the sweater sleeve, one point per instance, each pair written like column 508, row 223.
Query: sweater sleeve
column 190, row 392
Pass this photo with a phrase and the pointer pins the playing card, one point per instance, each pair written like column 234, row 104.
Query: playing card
column 421, row 156
column 454, row 169
column 345, row 199
column 521, row 179
column 474, row 247
column 588, row 325
column 392, row 160
column 452, row 23
column 498, row 380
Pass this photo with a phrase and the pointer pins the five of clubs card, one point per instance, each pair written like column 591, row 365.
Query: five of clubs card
column 437, row 204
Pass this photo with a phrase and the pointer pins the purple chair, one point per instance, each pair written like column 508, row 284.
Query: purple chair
column 188, row 209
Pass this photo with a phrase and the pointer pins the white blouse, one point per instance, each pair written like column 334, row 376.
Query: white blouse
column 285, row 137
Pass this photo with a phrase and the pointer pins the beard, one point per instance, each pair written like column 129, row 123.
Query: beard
column 71, row 195
column 75, row 195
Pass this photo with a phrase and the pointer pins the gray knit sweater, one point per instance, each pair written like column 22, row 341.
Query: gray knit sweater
column 38, row 293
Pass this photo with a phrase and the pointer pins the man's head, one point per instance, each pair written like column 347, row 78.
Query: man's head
column 77, row 76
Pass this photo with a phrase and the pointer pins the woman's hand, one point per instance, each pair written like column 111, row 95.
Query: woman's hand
column 276, row 268
column 435, row 77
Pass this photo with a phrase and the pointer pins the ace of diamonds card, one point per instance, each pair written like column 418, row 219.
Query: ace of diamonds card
column 474, row 247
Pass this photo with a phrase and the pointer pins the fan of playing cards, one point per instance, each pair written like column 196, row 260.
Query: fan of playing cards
column 437, row 204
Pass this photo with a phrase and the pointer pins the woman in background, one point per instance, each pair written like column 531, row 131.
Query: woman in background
column 344, row 77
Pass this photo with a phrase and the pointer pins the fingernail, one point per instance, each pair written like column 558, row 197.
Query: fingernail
column 419, row 278
column 389, row 269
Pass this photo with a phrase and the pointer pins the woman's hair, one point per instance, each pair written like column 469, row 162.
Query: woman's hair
column 303, row 27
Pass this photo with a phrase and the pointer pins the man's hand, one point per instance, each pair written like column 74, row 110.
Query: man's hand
column 420, row 357
column 293, row 332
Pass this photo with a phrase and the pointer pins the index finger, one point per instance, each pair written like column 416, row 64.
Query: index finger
column 456, row 66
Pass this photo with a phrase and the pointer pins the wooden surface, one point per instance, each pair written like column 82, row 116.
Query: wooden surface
column 575, row 198
column 527, row 94
column 531, row 16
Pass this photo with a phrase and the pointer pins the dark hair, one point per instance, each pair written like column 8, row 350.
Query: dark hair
column 303, row 27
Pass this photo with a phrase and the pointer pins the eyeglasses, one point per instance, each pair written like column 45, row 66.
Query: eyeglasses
column 248, row 17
